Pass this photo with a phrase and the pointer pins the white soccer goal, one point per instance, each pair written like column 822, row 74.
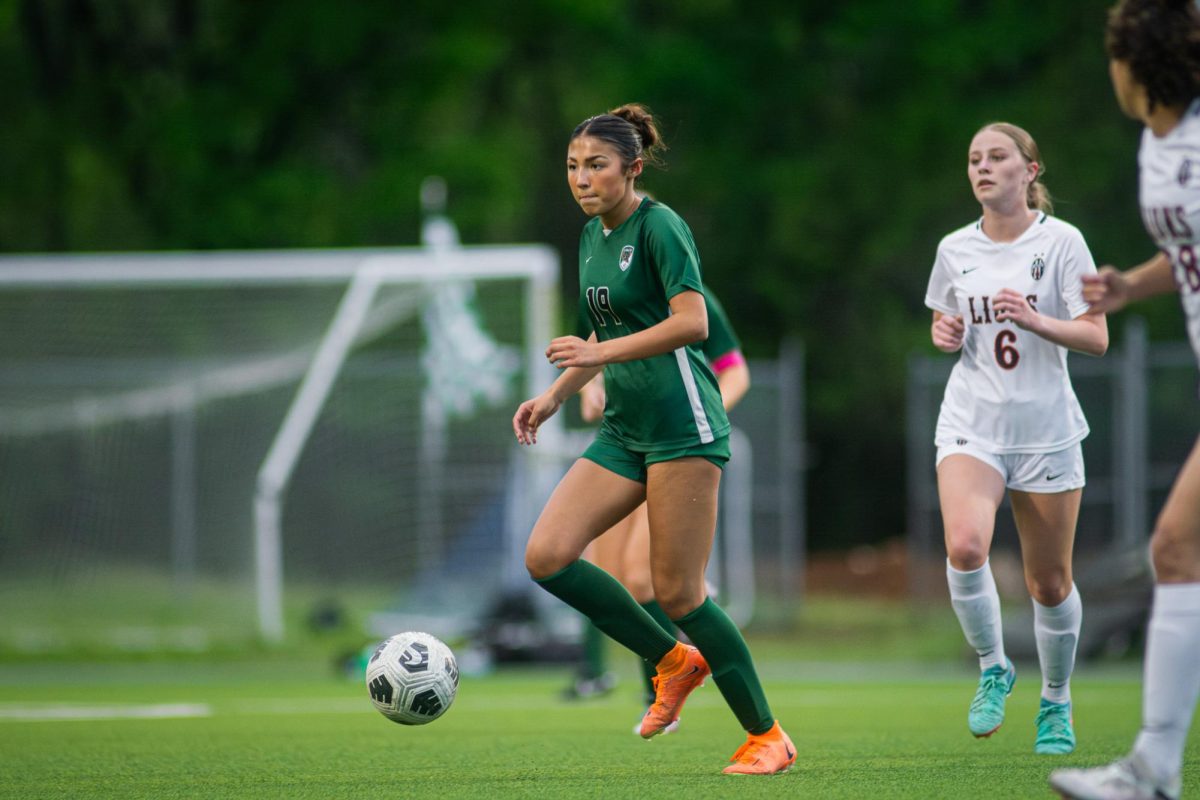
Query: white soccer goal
column 225, row 420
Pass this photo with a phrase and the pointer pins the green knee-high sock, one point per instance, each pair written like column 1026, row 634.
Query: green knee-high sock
column 648, row 667
column 722, row 645
column 593, row 650
column 601, row 598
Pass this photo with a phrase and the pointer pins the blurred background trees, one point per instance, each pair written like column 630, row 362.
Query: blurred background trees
column 817, row 150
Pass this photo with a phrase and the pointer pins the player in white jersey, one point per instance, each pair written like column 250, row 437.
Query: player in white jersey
column 1006, row 292
column 1154, row 60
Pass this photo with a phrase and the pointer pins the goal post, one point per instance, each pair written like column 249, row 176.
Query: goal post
column 159, row 408
column 451, row 267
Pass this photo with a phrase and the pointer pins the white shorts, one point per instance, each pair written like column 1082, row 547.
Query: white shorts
column 1040, row 473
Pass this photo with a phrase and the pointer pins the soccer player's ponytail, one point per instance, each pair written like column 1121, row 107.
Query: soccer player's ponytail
column 1039, row 196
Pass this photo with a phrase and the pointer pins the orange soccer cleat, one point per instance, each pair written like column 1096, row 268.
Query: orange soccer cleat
column 764, row 754
column 679, row 672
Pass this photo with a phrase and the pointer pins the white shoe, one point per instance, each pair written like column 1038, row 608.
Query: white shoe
column 1124, row 779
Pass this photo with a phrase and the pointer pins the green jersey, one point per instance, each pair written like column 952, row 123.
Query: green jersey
column 721, row 341
column 626, row 281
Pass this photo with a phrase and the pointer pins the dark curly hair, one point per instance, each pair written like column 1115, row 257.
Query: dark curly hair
column 1160, row 41
column 631, row 129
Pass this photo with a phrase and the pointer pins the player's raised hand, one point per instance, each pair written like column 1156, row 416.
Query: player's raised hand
column 948, row 332
column 1107, row 290
column 531, row 414
column 571, row 351
column 1012, row 306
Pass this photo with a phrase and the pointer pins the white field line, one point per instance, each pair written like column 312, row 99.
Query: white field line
column 60, row 712
column 66, row 712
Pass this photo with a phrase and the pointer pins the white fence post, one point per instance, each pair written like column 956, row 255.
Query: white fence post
column 1130, row 423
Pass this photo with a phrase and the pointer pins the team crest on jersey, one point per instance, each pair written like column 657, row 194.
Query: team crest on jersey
column 1038, row 268
column 626, row 257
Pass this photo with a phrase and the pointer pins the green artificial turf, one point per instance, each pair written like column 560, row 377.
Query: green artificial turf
column 290, row 729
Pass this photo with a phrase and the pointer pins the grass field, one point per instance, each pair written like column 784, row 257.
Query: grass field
column 291, row 729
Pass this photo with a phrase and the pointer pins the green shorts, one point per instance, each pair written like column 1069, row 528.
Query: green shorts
column 632, row 464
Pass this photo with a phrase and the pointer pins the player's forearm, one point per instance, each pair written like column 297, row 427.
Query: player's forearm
column 1086, row 334
column 1151, row 278
column 572, row 380
column 677, row 330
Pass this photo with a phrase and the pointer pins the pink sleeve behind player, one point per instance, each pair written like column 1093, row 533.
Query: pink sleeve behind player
column 730, row 359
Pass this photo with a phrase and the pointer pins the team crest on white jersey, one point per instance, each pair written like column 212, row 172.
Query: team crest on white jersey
column 626, row 257
column 1186, row 172
column 1038, row 268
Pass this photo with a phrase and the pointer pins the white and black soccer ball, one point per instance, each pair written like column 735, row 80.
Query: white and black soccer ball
column 412, row 678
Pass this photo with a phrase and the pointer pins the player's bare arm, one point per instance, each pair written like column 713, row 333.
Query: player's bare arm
column 592, row 398
column 1111, row 290
column 1087, row 333
column 688, row 323
column 571, row 351
column 947, row 332
column 535, row 411
column 734, row 382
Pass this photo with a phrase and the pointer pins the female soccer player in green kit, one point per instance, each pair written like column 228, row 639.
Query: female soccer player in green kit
column 663, row 440
column 624, row 550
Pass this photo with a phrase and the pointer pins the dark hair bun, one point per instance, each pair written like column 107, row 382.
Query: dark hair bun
column 642, row 120
column 639, row 117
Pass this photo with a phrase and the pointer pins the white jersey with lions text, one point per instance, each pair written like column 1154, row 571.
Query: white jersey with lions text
column 1169, row 170
column 1010, row 391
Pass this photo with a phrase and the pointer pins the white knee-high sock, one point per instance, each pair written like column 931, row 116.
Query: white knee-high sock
column 977, row 603
column 1171, row 682
column 1056, row 629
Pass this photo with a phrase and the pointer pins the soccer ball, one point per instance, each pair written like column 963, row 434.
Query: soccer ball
column 412, row 678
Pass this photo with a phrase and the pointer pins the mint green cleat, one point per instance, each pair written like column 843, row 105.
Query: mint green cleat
column 987, row 709
column 1055, row 729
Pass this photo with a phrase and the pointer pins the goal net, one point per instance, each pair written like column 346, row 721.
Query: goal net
column 201, row 449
